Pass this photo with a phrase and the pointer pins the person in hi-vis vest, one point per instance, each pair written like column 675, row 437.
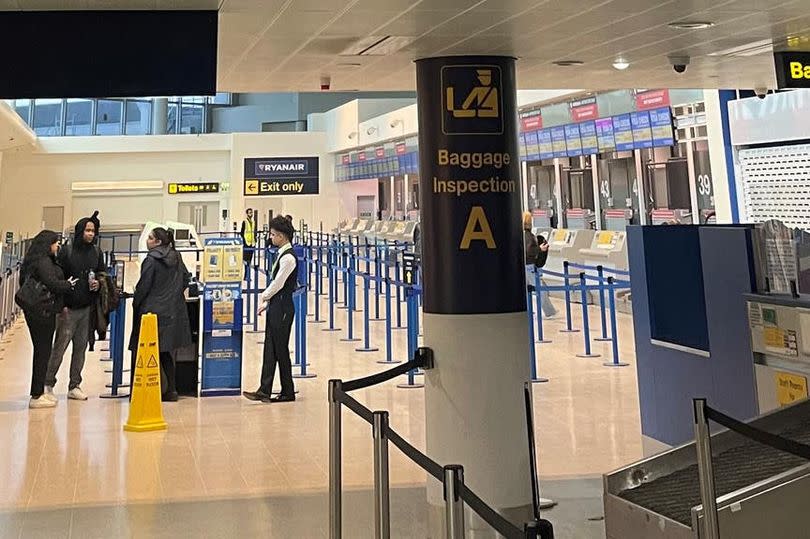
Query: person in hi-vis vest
column 277, row 300
column 248, row 234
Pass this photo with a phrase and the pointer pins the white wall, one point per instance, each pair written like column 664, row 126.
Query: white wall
column 30, row 180
column 717, row 156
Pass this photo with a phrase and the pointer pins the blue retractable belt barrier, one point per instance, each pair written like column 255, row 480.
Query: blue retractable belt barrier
column 613, row 328
column 538, row 297
column 117, row 339
column 569, row 328
column 366, row 326
column 532, row 350
column 413, row 334
column 586, row 326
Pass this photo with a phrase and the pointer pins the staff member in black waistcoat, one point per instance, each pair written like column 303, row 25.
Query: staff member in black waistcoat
column 278, row 301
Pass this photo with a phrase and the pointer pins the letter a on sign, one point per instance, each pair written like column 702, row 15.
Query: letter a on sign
column 145, row 408
column 477, row 229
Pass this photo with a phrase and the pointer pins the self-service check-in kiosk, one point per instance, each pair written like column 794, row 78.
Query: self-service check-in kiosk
column 607, row 249
column 344, row 228
column 566, row 244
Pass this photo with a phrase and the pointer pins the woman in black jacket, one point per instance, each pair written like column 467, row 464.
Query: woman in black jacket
column 40, row 264
column 536, row 249
column 159, row 291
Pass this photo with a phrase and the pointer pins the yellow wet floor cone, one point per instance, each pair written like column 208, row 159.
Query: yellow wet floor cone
column 145, row 407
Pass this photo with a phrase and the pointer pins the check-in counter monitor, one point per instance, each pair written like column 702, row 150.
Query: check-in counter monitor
column 608, row 249
column 566, row 244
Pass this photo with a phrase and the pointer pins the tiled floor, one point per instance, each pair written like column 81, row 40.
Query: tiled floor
column 77, row 459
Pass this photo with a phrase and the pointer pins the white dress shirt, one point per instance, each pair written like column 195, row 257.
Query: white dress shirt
column 286, row 267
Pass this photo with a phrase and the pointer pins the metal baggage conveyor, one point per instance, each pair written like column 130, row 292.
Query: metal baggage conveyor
column 761, row 491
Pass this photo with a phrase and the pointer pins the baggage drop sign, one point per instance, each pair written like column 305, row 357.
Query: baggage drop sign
column 280, row 176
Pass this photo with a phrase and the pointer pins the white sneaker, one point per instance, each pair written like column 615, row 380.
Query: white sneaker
column 550, row 316
column 77, row 394
column 49, row 394
column 41, row 402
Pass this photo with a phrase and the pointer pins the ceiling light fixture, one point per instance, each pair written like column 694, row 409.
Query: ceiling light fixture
column 621, row 63
column 690, row 25
column 568, row 63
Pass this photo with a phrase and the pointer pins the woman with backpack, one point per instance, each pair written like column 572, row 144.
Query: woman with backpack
column 536, row 252
column 41, row 296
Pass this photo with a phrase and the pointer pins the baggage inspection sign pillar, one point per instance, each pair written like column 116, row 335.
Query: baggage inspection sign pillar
column 473, row 279
column 145, row 408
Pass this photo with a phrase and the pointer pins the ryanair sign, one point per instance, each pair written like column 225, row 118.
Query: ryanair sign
column 792, row 69
column 280, row 176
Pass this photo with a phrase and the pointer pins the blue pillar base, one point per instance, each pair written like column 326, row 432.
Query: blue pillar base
column 364, row 349
column 116, row 396
column 392, row 362
column 544, row 341
column 603, row 339
column 410, row 386
column 307, row 375
column 611, row 364
column 316, row 321
column 350, row 340
column 540, row 380
column 589, row 355
column 569, row 331
column 331, row 329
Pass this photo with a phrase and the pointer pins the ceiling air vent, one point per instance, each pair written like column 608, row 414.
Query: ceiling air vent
column 749, row 49
column 377, row 45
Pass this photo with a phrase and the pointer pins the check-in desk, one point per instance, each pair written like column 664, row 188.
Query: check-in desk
column 566, row 244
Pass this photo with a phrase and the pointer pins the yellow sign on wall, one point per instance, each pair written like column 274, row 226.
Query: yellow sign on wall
column 790, row 388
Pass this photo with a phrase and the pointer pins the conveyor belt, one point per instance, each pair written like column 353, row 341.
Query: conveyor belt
column 674, row 495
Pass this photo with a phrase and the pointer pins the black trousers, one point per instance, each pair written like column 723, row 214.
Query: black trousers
column 41, row 330
column 277, row 351
column 168, row 368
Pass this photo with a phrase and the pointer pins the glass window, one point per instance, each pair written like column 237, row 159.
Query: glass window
column 48, row 117
column 171, row 124
column 23, row 108
column 79, row 117
column 139, row 118
column 109, row 116
column 191, row 119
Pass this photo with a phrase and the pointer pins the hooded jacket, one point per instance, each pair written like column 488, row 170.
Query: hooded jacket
column 77, row 259
column 160, row 291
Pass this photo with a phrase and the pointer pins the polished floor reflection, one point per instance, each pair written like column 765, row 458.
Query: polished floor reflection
column 77, row 455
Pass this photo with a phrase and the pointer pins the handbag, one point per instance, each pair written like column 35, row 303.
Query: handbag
column 34, row 297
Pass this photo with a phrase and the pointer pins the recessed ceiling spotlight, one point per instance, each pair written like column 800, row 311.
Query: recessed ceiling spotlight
column 568, row 63
column 691, row 25
column 621, row 63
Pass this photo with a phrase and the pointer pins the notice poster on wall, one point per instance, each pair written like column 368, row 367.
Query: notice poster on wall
column 661, row 124
column 572, row 140
column 642, row 134
column 284, row 176
column 604, row 135
column 532, row 146
column 546, row 147
column 623, row 133
column 558, row 142
column 587, row 133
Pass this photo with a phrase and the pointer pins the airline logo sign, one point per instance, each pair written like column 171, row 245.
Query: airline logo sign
column 471, row 100
column 280, row 176
column 792, row 69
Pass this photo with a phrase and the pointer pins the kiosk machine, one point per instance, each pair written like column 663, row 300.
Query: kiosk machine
column 608, row 249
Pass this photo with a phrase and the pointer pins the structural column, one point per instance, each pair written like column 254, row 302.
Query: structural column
column 474, row 281
column 160, row 115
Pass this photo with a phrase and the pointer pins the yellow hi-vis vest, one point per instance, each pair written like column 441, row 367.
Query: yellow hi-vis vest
column 249, row 233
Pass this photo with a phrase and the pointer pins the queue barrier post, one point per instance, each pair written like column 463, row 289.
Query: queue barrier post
column 301, row 337
column 586, row 327
column 453, row 503
column 382, row 505
column 532, row 350
column 331, row 270
column 600, row 271
column 389, row 353
column 117, row 337
column 569, row 328
column 317, row 299
column 613, row 327
column 538, row 298
column 398, row 279
column 377, row 282
column 366, row 326
column 413, row 335
column 349, row 308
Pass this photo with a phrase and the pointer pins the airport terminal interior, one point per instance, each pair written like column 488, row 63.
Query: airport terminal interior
column 526, row 269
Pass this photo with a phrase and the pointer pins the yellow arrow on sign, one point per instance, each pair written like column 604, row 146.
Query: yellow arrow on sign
column 252, row 187
column 408, row 277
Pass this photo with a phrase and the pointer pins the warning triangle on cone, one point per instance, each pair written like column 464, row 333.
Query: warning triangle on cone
column 145, row 407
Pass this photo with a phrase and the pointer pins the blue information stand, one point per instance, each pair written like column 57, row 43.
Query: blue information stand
column 222, row 328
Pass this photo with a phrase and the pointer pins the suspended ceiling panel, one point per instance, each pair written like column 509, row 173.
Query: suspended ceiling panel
column 281, row 45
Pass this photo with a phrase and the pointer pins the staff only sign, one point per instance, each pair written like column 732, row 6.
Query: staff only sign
column 277, row 176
